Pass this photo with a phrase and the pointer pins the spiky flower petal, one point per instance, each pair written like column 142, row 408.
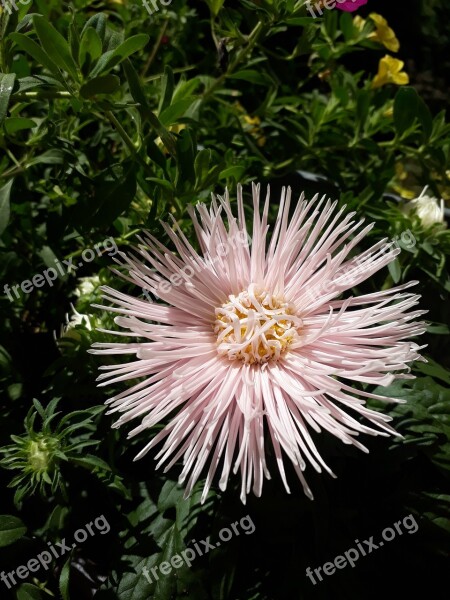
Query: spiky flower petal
column 253, row 345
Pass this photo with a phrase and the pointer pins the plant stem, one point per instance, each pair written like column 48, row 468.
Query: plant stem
column 127, row 140
column 44, row 94
column 155, row 49
column 251, row 42
column 121, row 131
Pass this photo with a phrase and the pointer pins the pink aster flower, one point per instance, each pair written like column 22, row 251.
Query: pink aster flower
column 252, row 344
column 350, row 5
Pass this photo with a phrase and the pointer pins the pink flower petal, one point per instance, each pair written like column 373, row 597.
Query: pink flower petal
column 350, row 5
column 253, row 345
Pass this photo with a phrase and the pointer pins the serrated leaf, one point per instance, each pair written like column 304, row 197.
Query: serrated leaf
column 167, row 584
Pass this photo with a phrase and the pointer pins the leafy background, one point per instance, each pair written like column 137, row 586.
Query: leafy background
column 112, row 119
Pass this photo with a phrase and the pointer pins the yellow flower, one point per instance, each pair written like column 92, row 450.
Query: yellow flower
column 359, row 22
column 174, row 129
column 383, row 33
column 255, row 129
column 390, row 71
column 252, row 120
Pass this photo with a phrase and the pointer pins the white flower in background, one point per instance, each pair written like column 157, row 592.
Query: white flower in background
column 428, row 208
column 68, row 331
column 78, row 319
column 87, row 285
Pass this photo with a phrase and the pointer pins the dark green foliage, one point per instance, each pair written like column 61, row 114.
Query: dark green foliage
column 112, row 119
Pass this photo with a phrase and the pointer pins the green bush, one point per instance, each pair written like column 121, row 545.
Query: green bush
column 113, row 119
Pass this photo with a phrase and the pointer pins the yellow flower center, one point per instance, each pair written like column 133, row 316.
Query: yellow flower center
column 255, row 326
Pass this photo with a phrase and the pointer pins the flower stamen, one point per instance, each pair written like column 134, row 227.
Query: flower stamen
column 255, row 326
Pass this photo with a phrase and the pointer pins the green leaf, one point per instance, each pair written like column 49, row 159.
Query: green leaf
column 139, row 96
column 201, row 166
column 105, row 84
column 11, row 530
column 156, row 155
column 27, row 591
column 14, row 124
column 166, row 584
column 35, row 51
column 362, row 108
column 186, row 89
column 90, row 461
column 55, row 45
column 215, row 6
column 64, row 580
column 236, row 172
column 114, row 57
column 298, row 21
column 395, row 270
column 434, row 369
column 53, row 156
column 405, row 109
column 6, row 86
column 185, row 158
column 113, row 197
column 90, row 47
column 425, row 118
column 346, row 25
column 113, row 39
column 5, row 193
column 176, row 110
column 74, row 38
column 35, row 81
column 167, row 88
column 162, row 183
column 257, row 77
column 97, row 22
column 425, row 418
